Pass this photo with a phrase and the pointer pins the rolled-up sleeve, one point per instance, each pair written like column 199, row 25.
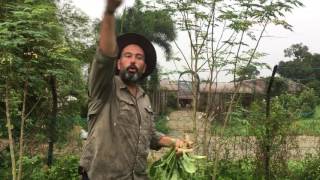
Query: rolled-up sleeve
column 100, row 80
column 155, row 138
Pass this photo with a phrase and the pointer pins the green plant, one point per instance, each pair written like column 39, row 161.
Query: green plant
column 308, row 102
column 309, row 168
column 65, row 168
column 161, row 124
column 174, row 167
column 172, row 101
column 34, row 168
column 242, row 169
column 5, row 165
column 272, row 134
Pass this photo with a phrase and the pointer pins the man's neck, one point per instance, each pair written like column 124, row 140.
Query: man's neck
column 133, row 89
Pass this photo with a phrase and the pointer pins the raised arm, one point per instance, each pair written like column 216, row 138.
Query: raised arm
column 107, row 42
column 104, row 63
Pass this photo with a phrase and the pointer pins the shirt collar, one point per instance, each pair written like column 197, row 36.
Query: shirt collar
column 140, row 91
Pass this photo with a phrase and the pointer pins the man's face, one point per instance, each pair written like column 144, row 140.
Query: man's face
column 131, row 64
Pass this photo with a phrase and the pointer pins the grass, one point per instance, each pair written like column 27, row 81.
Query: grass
column 234, row 129
column 308, row 126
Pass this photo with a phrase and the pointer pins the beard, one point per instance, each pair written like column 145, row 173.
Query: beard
column 130, row 77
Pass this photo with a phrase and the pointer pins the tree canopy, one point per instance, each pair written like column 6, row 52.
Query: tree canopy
column 304, row 66
column 42, row 82
column 156, row 25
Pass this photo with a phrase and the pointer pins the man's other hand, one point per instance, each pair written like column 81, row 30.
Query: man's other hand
column 182, row 146
column 112, row 5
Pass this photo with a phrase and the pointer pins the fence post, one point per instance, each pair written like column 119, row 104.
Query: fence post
column 267, row 147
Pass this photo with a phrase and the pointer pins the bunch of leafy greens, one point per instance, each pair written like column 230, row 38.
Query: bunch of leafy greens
column 174, row 167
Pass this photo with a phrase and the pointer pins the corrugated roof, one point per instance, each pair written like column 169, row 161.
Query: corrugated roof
column 220, row 87
column 256, row 86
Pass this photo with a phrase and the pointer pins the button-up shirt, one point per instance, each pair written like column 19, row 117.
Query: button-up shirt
column 121, row 129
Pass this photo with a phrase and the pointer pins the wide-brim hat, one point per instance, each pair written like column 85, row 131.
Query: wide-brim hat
column 149, row 50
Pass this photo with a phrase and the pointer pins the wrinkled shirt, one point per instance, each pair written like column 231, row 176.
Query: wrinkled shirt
column 121, row 130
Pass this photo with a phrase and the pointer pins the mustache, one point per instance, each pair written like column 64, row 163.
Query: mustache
column 132, row 67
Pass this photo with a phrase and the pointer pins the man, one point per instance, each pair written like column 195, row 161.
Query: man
column 121, row 127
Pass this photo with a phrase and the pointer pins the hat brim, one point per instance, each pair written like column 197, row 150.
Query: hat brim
column 149, row 50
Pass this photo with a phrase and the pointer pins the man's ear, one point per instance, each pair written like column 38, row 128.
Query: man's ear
column 118, row 64
column 144, row 68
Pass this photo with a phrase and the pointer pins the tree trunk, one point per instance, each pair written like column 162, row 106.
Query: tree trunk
column 23, row 118
column 52, row 119
column 9, row 127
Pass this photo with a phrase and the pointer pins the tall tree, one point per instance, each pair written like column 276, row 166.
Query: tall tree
column 34, row 48
column 304, row 67
column 224, row 34
column 156, row 25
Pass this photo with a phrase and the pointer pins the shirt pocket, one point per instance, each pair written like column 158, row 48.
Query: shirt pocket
column 149, row 117
column 127, row 113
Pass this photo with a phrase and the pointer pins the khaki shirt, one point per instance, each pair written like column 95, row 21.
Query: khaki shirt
column 121, row 127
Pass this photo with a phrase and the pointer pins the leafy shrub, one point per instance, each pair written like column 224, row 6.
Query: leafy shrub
column 172, row 101
column 308, row 102
column 65, row 168
column 242, row 169
column 5, row 164
column 34, row 168
column 311, row 169
column 161, row 124
column 296, row 169
column 272, row 135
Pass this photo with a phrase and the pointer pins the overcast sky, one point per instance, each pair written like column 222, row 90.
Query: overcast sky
column 305, row 22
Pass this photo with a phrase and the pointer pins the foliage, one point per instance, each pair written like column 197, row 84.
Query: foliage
column 35, row 47
column 279, row 87
column 247, row 72
column 272, row 135
column 223, row 35
column 311, row 168
column 173, row 167
column 308, row 102
column 239, row 125
column 161, row 124
column 303, row 66
column 307, row 168
column 172, row 100
column 65, row 167
column 242, row 169
column 5, row 164
column 220, row 32
column 36, row 51
column 139, row 19
column 308, row 126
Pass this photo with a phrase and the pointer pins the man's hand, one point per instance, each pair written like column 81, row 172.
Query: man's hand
column 179, row 145
column 108, row 38
column 182, row 146
column 112, row 5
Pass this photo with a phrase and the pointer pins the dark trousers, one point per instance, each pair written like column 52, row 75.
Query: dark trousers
column 83, row 174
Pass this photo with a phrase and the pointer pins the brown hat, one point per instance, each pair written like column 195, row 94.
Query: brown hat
column 149, row 51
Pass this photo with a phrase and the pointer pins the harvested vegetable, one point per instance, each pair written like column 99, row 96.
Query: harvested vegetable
column 173, row 167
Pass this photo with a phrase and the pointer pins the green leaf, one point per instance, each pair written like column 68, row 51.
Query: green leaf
column 28, row 1
column 188, row 164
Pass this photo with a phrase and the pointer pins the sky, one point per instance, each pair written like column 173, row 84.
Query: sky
column 305, row 22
